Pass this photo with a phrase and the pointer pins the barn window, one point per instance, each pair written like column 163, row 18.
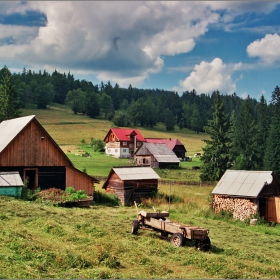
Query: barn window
column 144, row 160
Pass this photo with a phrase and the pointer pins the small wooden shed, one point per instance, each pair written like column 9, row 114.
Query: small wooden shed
column 156, row 155
column 10, row 184
column 132, row 183
column 248, row 193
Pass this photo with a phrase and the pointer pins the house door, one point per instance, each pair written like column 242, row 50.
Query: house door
column 31, row 178
column 128, row 195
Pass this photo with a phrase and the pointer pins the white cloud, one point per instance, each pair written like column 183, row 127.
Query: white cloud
column 208, row 77
column 267, row 49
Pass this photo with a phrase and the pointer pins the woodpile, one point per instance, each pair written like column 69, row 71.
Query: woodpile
column 241, row 208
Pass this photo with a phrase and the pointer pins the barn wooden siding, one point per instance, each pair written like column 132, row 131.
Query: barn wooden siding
column 147, row 160
column 241, row 208
column 129, row 191
column 273, row 209
column 79, row 181
column 27, row 149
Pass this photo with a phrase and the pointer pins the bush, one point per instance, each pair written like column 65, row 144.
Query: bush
column 107, row 199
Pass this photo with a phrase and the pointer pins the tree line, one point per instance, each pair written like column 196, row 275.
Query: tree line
column 249, row 140
column 123, row 106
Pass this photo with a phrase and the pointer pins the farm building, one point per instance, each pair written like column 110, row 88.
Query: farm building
column 26, row 147
column 248, row 193
column 132, row 183
column 174, row 144
column 156, row 155
column 10, row 184
column 122, row 143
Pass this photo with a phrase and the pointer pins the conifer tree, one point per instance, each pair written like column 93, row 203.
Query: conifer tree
column 9, row 98
column 272, row 152
column 216, row 154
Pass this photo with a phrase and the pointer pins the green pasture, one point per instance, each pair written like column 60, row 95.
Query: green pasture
column 41, row 241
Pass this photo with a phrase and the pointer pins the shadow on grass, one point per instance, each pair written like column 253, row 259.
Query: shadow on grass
column 110, row 199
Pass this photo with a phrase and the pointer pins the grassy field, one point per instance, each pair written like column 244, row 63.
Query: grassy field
column 41, row 241
column 68, row 130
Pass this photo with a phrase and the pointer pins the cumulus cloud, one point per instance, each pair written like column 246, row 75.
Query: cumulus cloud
column 208, row 77
column 267, row 48
column 120, row 41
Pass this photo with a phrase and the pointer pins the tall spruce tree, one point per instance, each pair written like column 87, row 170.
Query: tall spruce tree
column 9, row 97
column 272, row 152
column 263, row 121
column 216, row 154
column 245, row 145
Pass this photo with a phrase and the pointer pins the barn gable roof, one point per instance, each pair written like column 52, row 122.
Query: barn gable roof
column 124, row 134
column 9, row 129
column 243, row 183
column 160, row 151
column 170, row 142
column 132, row 173
column 10, row 179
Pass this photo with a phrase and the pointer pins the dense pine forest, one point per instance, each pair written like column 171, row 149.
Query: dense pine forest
column 244, row 133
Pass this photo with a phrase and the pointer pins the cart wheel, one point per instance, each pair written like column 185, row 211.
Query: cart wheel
column 203, row 245
column 135, row 227
column 177, row 239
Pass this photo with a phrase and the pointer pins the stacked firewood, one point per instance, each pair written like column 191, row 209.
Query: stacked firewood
column 241, row 208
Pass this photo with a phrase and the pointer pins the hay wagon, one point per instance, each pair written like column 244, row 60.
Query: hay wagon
column 179, row 232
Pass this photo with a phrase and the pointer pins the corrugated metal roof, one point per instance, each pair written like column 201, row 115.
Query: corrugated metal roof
column 160, row 151
column 9, row 130
column 136, row 173
column 10, row 179
column 243, row 183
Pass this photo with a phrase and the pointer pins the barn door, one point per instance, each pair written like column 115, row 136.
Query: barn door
column 128, row 195
column 31, row 178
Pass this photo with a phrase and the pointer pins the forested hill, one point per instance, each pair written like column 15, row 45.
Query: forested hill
column 124, row 106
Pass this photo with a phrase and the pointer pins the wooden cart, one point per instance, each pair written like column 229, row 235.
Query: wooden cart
column 179, row 232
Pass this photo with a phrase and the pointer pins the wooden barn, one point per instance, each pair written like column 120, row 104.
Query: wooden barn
column 10, row 184
column 132, row 183
column 26, row 147
column 174, row 144
column 156, row 155
column 248, row 193
column 123, row 142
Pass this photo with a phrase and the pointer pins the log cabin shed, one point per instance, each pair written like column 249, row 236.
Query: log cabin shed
column 132, row 183
column 156, row 155
column 248, row 193
column 26, row 147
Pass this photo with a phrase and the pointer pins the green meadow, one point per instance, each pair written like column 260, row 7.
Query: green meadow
column 44, row 241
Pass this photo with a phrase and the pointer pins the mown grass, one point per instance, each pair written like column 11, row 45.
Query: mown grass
column 42, row 241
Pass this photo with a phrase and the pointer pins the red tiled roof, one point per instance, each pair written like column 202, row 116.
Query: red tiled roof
column 124, row 134
column 170, row 142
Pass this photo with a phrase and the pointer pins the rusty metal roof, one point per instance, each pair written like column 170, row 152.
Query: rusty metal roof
column 10, row 179
column 10, row 129
column 243, row 183
column 135, row 173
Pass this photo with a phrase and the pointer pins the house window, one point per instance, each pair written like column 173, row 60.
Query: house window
column 124, row 150
column 116, row 150
column 109, row 150
column 138, row 144
column 124, row 143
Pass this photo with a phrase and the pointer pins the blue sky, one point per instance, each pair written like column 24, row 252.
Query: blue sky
column 230, row 46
